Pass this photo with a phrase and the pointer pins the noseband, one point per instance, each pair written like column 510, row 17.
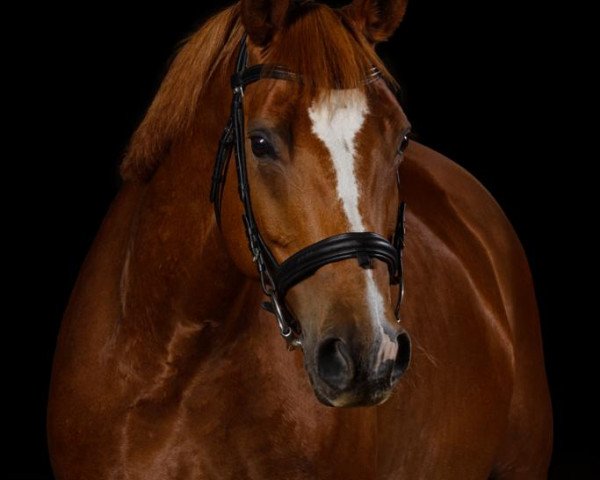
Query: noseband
column 277, row 279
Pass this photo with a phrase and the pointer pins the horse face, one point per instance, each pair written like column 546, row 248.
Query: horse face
column 321, row 166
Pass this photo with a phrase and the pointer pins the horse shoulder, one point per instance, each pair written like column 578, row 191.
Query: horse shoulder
column 461, row 212
column 80, row 403
column 458, row 209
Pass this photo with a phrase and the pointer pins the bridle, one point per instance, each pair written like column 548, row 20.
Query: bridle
column 277, row 279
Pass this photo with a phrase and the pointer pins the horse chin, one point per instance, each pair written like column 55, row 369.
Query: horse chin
column 349, row 399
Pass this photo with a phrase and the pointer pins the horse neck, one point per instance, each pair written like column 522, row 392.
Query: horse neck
column 179, row 284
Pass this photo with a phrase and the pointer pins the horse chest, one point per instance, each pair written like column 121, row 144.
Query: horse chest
column 248, row 416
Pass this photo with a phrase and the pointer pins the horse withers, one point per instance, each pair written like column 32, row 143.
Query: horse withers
column 170, row 362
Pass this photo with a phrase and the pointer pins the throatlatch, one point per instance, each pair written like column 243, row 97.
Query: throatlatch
column 277, row 279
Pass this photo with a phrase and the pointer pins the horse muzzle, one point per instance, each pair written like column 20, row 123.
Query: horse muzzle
column 344, row 374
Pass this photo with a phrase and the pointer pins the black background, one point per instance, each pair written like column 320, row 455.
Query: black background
column 488, row 84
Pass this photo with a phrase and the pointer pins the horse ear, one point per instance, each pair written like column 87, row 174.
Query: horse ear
column 262, row 18
column 377, row 19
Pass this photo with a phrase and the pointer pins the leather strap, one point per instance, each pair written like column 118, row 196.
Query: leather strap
column 256, row 72
column 364, row 246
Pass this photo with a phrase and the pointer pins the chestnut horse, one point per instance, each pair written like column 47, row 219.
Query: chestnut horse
column 167, row 367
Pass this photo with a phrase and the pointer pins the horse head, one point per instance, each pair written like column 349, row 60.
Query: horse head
column 318, row 143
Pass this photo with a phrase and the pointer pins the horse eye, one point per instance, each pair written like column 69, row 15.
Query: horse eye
column 261, row 147
column 403, row 144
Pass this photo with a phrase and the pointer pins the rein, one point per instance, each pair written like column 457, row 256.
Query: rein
column 277, row 279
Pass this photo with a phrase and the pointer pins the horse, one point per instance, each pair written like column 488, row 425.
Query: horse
column 170, row 361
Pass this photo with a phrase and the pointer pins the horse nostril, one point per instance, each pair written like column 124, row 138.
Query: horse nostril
column 334, row 364
column 402, row 357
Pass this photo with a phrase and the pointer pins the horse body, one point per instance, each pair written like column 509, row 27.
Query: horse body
column 196, row 411
column 166, row 367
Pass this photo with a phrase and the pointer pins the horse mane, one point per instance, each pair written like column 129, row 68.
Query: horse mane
column 318, row 42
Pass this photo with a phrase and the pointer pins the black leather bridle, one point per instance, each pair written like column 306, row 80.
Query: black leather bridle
column 277, row 279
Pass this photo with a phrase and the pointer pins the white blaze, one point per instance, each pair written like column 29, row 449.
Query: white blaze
column 336, row 118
